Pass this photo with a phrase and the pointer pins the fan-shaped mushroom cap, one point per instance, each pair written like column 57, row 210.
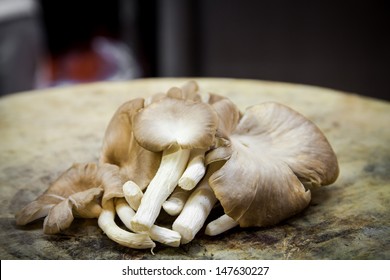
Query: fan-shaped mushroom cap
column 117, row 138
column 72, row 194
column 120, row 148
column 80, row 204
column 175, row 122
column 273, row 150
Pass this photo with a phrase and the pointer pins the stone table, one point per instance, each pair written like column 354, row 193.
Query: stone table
column 43, row 132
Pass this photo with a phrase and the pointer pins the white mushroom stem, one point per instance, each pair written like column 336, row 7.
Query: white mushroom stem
column 156, row 233
column 195, row 170
column 220, row 225
column 107, row 224
column 176, row 201
column 196, row 209
column 133, row 194
column 162, row 185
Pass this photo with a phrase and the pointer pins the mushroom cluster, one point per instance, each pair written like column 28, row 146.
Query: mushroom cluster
column 184, row 152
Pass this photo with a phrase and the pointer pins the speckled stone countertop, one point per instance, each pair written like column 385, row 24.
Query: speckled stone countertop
column 44, row 132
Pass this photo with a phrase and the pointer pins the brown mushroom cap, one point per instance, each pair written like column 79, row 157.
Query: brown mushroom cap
column 118, row 136
column 228, row 118
column 81, row 204
column 188, row 91
column 121, row 149
column 111, row 182
column 273, row 151
column 228, row 115
column 173, row 122
column 73, row 193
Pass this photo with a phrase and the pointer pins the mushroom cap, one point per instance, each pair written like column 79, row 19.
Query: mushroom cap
column 118, row 135
column 228, row 118
column 121, row 149
column 273, row 151
column 80, row 204
column 188, row 91
column 171, row 122
column 111, row 181
column 73, row 193
column 228, row 115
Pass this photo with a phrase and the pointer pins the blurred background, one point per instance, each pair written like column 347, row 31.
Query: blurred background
column 342, row 45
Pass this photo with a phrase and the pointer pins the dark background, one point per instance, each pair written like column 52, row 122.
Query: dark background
column 342, row 45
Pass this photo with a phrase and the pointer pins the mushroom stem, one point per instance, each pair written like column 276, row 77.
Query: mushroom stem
column 195, row 170
column 107, row 224
column 220, row 225
column 173, row 163
column 176, row 201
column 133, row 194
column 197, row 208
column 156, row 233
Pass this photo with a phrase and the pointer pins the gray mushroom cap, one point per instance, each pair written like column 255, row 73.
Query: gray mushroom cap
column 272, row 154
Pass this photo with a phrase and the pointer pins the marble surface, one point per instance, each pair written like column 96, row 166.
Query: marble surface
column 44, row 132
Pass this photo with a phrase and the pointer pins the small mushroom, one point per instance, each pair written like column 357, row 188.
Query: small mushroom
column 137, row 166
column 203, row 199
column 73, row 194
column 273, row 153
column 175, row 127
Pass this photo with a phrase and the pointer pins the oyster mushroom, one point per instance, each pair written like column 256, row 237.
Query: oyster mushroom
column 136, row 167
column 272, row 155
column 202, row 200
column 175, row 127
column 73, row 194
column 196, row 167
column 260, row 167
